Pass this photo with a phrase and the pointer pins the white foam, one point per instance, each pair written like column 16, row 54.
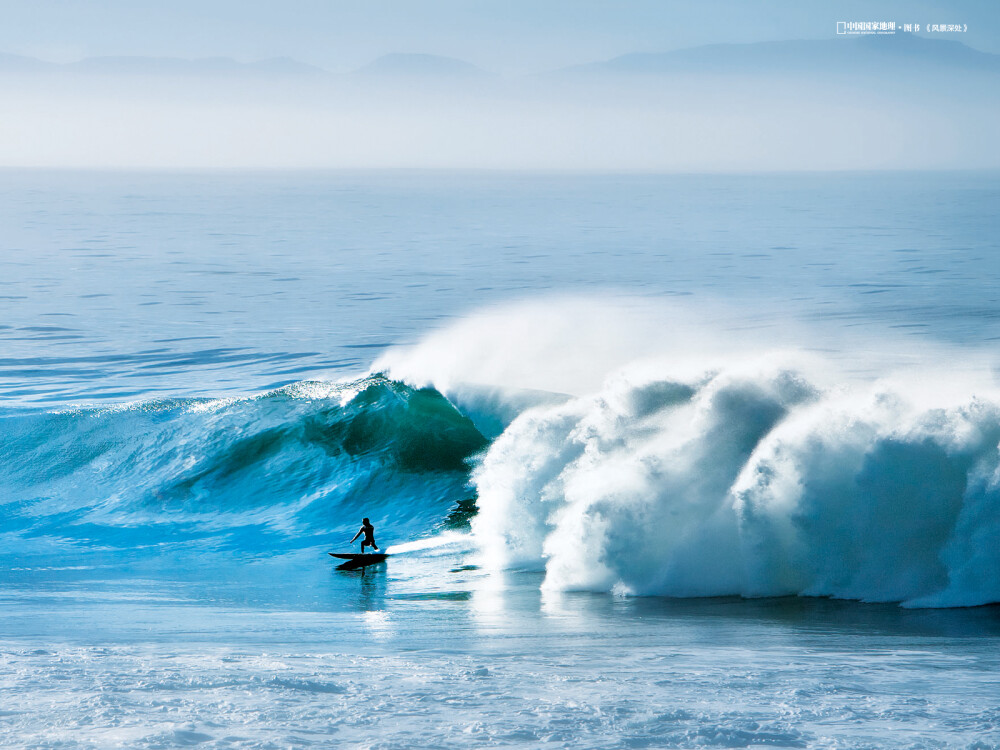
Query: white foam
column 749, row 483
column 709, row 466
column 448, row 539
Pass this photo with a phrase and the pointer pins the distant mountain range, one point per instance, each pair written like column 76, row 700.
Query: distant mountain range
column 394, row 64
column 421, row 65
column 21, row 64
column 849, row 54
column 899, row 52
column 160, row 66
column 177, row 66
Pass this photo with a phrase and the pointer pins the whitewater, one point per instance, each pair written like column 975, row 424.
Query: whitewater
column 659, row 461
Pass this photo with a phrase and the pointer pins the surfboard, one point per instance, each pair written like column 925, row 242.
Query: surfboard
column 357, row 560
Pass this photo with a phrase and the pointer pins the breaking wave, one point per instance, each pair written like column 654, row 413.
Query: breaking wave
column 753, row 483
column 756, row 473
column 273, row 471
column 761, row 473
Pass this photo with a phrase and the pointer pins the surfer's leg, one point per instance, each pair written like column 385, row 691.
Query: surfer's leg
column 362, row 548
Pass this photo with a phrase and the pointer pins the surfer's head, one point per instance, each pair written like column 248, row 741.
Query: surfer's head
column 365, row 521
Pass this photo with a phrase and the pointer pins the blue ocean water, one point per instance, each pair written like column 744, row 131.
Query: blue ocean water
column 118, row 286
column 690, row 460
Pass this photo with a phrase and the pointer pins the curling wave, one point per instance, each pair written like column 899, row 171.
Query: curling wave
column 261, row 473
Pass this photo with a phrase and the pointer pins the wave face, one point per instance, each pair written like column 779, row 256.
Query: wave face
column 749, row 481
column 265, row 473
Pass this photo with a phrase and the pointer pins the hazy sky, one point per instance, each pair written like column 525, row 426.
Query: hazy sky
column 508, row 36
column 783, row 119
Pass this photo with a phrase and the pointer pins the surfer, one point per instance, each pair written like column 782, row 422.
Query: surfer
column 369, row 535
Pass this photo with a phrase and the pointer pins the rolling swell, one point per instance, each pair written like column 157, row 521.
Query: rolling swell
column 279, row 470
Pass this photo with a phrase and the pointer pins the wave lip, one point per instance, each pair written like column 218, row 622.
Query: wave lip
column 749, row 481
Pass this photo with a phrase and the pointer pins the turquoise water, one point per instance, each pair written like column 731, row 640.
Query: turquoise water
column 661, row 460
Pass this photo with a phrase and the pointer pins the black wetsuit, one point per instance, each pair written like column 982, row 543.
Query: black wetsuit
column 369, row 541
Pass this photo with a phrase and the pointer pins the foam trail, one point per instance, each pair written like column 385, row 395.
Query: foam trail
column 448, row 539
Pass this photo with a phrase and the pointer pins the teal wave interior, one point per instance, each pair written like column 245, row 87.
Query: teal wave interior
column 276, row 471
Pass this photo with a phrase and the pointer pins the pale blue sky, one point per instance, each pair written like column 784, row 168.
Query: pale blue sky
column 510, row 36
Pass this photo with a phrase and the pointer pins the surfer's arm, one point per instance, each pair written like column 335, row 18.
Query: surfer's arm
column 358, row 534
